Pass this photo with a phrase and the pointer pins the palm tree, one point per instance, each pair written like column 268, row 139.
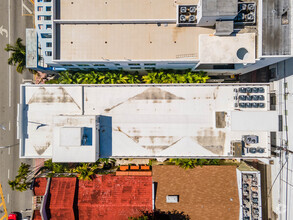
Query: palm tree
column 21, row 182
column 153, row 77
column 85, row 78
column 107, row 162
column 65, row 78
column 13, row 183
column 23, row 170
column 185, row 163
column 85, row 172
column 17, row 56
column 133, row 79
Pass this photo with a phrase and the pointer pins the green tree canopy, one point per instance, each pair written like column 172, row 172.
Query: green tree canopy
column 93, row 77
column 17, row 57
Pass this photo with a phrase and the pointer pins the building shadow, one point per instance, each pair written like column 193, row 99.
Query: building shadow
column 105, row 136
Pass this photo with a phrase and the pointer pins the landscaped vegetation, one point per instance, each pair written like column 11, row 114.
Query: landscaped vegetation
column 192, row 163
column 17, row 57
column 128, row 78
column 83, row 171
column 23, row 180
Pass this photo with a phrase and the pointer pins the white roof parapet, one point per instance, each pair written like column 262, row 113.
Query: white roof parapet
column 184, row 120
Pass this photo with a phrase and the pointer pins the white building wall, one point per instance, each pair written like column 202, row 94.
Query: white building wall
column 281, row 170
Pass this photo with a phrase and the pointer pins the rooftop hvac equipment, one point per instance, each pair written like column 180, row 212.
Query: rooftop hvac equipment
column 255, row 211
column 248, row 90
column 250, row 139
column 248, row 105
column 255, row 105
column 255, row 97
column 182, row 18
column 261, row 97
column 183, row 9
column 191, row 18
column 252, row 150
column 250, row 7
column 186, row 15
column 254, row 195
column 243, row 7
column 249, row 97
column 246, row 13
column 260, row 150
column 242, row 90
column 242, row 97
column 192, row 9
column 255, row 90
column 255, row 200
column 242, row 105
column 261, row 105
column 250, row 17
column 261, row 90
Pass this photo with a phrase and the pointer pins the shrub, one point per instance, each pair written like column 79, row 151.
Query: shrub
column 128, row 78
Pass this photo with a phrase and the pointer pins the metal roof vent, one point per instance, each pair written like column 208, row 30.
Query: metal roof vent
column 172, row 199
column 224, row 28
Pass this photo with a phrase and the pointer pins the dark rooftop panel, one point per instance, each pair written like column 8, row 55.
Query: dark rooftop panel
column 276, row 27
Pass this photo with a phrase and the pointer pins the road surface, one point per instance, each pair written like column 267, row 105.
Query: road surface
column 12, row 26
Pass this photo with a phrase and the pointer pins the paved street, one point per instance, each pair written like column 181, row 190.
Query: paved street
column 12, row 26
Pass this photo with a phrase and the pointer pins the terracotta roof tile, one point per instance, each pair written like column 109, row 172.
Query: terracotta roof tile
column 107, row 197
column 40, row 185
column 114, row 197
column 37, row 215
column 62, row 192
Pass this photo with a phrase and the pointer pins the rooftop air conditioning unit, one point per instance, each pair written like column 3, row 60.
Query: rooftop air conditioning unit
column 255, row 105
column 255, row 90
column 243, row 7
column 182, row 18
column 191, row 18
column 192, row 9
column 183, row 9
column 261, row 90
column 250, row 17
column 251, row 139
column 250, row 7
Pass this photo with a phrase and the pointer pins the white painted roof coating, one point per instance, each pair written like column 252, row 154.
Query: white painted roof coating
column 140, row 120
column 227, row 49
column 68, row 139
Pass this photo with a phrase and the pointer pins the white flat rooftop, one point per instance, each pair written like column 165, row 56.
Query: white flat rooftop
column 190, row 120
column 227, row 49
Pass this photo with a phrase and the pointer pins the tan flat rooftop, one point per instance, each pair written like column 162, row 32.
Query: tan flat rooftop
column 119, row 9
column 92, row 42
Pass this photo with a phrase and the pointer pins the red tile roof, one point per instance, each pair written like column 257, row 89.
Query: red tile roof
column 110, row 197
column 37, row 215
column 62, row 191
column 107, row 197
column 40, row 185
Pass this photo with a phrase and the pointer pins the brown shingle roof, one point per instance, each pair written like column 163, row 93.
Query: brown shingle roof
column 208, row 192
